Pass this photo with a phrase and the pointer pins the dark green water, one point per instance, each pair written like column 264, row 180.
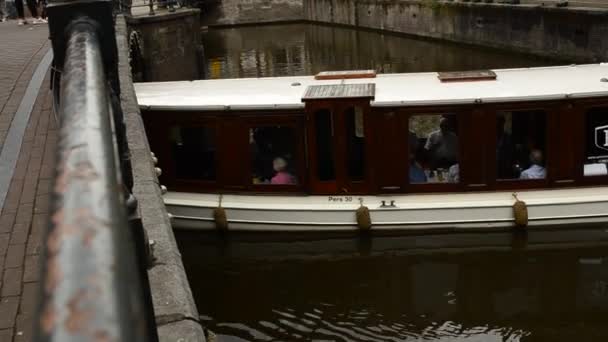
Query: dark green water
column 305, row 49
column 478, row 287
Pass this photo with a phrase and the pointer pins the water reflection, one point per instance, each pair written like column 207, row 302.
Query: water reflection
column 256, row 292
column 305, row 49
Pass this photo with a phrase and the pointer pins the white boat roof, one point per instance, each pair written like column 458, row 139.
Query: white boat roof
column 413, row 89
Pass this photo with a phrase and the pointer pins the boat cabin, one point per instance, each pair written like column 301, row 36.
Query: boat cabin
column 362, row 133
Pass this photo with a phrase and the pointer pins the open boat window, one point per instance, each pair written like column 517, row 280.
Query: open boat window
column 434, row 149
column 194, row 152
column 273, row 155
column 596, row 155
column 521, row 144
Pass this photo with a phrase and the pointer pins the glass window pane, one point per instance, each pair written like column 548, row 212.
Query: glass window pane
column 434, row 149
column 520, row 144
column 355, row 139
column 273, row 155
column 596, row 156
column 194, row 151
column 325, row 153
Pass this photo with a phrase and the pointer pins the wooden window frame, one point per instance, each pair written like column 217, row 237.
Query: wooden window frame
column 297, row 123
column 380, row 157
column 461, row 113
column 564, row 158
column 551, row 110
column 581, row 108
column 337, row 108
column 160, row 123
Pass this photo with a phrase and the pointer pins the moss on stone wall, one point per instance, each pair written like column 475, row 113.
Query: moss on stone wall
column 433, row 4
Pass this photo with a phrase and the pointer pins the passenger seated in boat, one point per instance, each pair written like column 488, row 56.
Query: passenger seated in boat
column 536, row 170
column 417, row 174
column 442, row 146
column 454, row 174
column 282, row 177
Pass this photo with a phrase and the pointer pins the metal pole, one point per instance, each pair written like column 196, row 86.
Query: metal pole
column 90, row 286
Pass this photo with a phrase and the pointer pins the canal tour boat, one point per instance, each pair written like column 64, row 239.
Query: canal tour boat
column 354, row 150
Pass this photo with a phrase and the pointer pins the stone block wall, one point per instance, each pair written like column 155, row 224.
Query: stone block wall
column 236, row 12
column 166, row 40
column 573, row 34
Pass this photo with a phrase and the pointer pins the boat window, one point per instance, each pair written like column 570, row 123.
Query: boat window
column 324, row 140
column 433, row 148
column 596, row 156
column 521, row 144
column 273, row 155
column 355, row 139
column 194, row 152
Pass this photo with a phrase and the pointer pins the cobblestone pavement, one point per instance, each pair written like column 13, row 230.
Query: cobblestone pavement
column 24, row 215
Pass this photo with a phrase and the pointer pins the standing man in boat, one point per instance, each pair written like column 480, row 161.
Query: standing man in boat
column 443, row 145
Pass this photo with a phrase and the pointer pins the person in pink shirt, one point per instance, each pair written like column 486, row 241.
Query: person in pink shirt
column 282, row 177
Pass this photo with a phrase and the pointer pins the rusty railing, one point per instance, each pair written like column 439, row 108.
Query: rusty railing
column 94, row 283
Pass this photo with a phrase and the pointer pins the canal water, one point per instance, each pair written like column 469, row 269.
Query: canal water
column 306, row 49
column 488, row 287
column 383, row 289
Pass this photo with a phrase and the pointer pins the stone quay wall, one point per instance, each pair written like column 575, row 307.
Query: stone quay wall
column 174, row 308
column 166, row 46
column 566, row 33
column 573, row 34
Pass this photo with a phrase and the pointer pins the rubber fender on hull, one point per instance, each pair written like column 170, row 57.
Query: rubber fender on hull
column 219, row 216
column 364, row 221
column 520, row 213
column 221, row 221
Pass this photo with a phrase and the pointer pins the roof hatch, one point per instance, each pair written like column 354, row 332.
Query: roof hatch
column 467, row 76
column 339, row 91
column 340, row 75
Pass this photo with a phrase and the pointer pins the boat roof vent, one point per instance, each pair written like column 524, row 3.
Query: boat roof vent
column 339, row 91
column 340, row 75
column 467, row 76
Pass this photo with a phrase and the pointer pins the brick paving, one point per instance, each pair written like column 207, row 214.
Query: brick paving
column 25, row 212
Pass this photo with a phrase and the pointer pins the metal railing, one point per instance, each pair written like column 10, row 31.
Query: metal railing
column 94, row 283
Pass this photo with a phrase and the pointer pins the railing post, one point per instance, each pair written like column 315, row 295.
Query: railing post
column 151, row 4
column 122, row 6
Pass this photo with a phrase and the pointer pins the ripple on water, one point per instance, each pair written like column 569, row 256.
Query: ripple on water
column 361, row 325
column 285, row 314
column 296, row 326
column 271, row 326
column 558, row 299
column 243, row 328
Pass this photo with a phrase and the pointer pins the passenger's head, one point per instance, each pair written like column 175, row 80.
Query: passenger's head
column 536, row 157
column 279, row 164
